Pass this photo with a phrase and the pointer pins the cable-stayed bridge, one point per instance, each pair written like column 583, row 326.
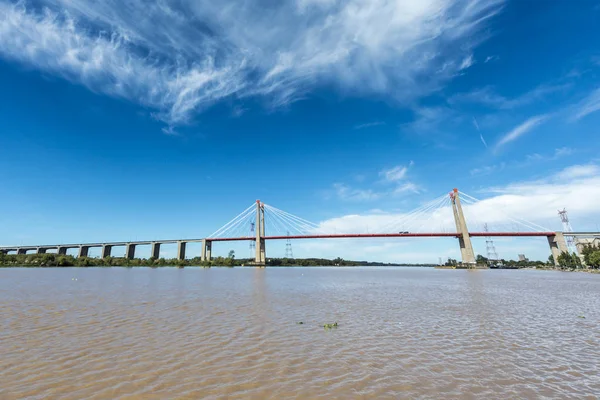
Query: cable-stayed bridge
column 441, row 217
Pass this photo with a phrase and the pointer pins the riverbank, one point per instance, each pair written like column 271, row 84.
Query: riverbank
column 55, row 260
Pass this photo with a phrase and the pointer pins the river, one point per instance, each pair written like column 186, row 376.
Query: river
column 141, row 333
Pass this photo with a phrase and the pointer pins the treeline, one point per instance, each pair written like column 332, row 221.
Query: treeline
column 591, row 258
column 337, row 262
column 55, row 260
column 481, row 260
column 566, row 261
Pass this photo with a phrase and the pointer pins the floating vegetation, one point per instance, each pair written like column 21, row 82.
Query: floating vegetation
column 581, row 316
column 330, row 326
column 300, row 323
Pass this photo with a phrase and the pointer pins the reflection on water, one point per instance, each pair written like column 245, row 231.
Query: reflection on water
column 109, row 333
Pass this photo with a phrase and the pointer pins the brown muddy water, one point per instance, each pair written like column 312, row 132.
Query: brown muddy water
column 117, row 333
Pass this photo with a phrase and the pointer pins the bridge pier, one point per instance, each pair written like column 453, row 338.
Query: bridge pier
column 41, row 250
column 83, row 251
column 260, row 257
column 558, row 245
column 464, row 240
column 62, row 251
column 155, row 250
column 206, row 250
column 21, row 251
column 106, row 250
column 181, row 250
column 130, row 251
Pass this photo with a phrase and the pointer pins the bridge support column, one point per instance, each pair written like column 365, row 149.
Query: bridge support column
column 83, row 251
column 464, row 239
column 558, row 245
column 260, row 257
column 130, row 251
column 41, row 250
column 106, row 250
column 155, row 250
column 206, row 250
column 62, row 251
column 181, row 250
column 21, row 251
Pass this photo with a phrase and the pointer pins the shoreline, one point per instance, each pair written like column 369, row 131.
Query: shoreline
column 586, row 270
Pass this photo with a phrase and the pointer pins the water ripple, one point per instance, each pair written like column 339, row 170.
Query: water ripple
column 196, row 333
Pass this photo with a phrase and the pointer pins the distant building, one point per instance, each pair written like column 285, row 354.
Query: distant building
column 522, row 257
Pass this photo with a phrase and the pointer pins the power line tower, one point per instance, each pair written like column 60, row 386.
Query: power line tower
column 288, row 247
column 564, row 218
column 489, row 247
column 252, row 241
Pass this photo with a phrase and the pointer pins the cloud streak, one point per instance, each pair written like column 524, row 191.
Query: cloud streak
column 522, row 129
column 589, row 105
column 180, row 57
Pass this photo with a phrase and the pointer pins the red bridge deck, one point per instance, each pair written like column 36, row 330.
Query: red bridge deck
column 389, row 235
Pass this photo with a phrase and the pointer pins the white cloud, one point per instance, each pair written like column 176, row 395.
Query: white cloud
column 396, row 173
column 589, row 105
column 578, row 171
column 563, row 151
column 522, row 129
column 467, row 62
column 396, row 176
column 406, row 187
column 179, row 57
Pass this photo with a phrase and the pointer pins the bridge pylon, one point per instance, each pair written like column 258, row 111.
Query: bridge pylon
column 464, row 240
column 260, row 257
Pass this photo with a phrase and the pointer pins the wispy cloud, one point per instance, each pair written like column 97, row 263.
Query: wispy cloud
column 578, row 172
column 467, row 62
column 396, row 173
column 369, row 125
column 587, row 106
column 529, row 160
column 522, row 129
column 394, row 183
column 487, row 96
column 491, row 58
column 345, row 192
column 180, row 57
column 476, row 124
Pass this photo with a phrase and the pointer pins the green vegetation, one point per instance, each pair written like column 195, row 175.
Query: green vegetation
column 591, row 256
column 330, row 326
column 338, row 262
column 55, row 260
column 568, row 261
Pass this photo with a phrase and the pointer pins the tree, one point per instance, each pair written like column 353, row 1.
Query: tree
column 550, row 259
column 451, row 262
column 591, row 255
column 593, row 259
column 231, row 255
column 566, row 260
column 481, row 259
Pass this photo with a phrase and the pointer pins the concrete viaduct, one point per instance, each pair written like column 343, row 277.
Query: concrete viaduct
column 130, row 248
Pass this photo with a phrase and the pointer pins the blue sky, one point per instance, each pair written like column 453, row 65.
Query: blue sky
column 165, row 119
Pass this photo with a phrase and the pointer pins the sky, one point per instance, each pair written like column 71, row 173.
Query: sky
column 165, row 119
